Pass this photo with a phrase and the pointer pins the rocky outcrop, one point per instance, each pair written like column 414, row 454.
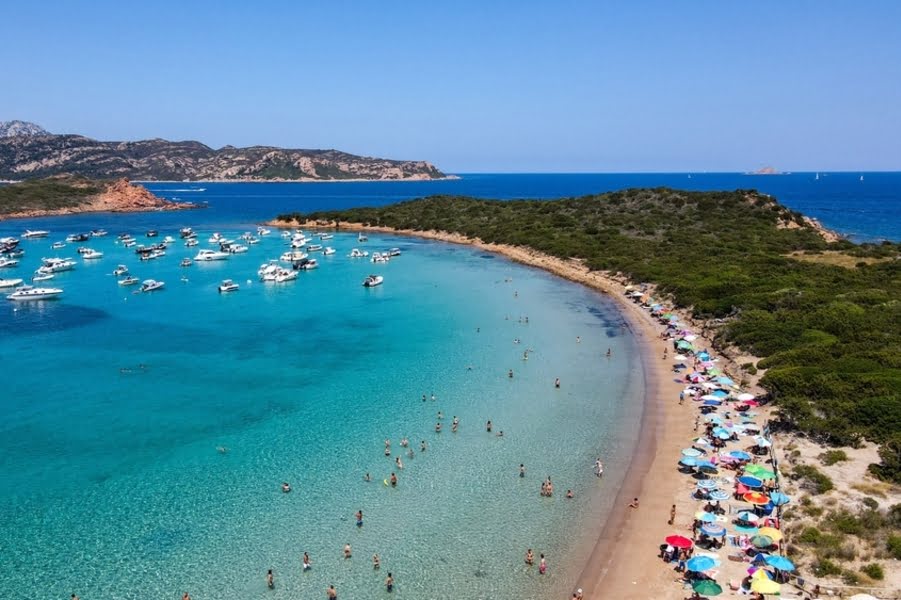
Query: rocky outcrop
column 14, row 128
column 35, row 156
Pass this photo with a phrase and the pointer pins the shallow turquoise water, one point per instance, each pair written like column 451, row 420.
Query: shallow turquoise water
column 115, row 405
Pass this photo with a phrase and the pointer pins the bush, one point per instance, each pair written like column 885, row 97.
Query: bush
column 850, row 578
column 893, row 545
column 831, row 457
column 812, row 479
column 889, row 469
column 824, row 568
column 749, row 368
column 873, row 571
column 870, row 503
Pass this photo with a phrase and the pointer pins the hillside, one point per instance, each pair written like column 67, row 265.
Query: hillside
column 829, row 335
column 13, row 128
column 65, row 195
column 27, row 153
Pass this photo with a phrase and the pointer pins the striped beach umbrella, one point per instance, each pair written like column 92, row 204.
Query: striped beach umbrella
column 708, row 484
column 694, row 452
column 713, row 530
column 718, row 495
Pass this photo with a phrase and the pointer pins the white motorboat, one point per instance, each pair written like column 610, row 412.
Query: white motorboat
column 120, row 270
column 98, row 232
column 186, row 232
column 326, row 236
column 215, row 238
column 151, row 285
column 57, row 265
column 186, row 262
column 328, row 251
column 27, row 292
column 91, row 254
column 228, row 285
column 314, row 247
column 153, row 254
column 129, row 243
column 253, row 240
column 378, row 257
column 293, row 256
column 11, row 253
column 191, row 242
column 152, row 233
column 207, row 255
column 39, row 233
column 263, row 231
column 299, row 242
column 82, row 249
column 168, row 240
column 362, row 238
column 236, row 249
column 58, row 245
column 285, row 275
column 8, row 263
column 373, row 280
column 394, row 252
column 38, row 276
column 357, row 253
column 78, row 237
column 8, row 283
column 307, row 264
column 130, row 280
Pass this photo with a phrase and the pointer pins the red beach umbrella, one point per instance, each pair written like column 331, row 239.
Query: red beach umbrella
column 756, row 498
column 678, row 541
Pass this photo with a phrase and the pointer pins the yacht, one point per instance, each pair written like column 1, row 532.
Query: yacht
column 39, row 233
column 373, row 280
column 151, row 285
column 78, row 237
column 152, row 233
column 41, row 276
column 8, row 283
column 215, row 238
column 168, row 240
column 263, row 231
column 314, row 247
column 55, row 265
column 236, row 249
column 27, row 292
column 307, row 264
column 8, row 262
column 91, row 254
column 252, row 240
column 82, row 249
column 191, row 242
column 268, row 271
column 120, row 270
column 326, row 236
column 228, row 285
column 285, row 275
column 98, row 232
column 378, row 257
column 394, row 252
column 299, row 242
column 186, row 232
column 123, row 236
column 129, row 243
column 12, row 253
column 356, row 253
column 328, row 251
column 130, row 280
column 152, row 254
column 293, row 256
column 208, row 255
column 186, row 262
column 58, row 245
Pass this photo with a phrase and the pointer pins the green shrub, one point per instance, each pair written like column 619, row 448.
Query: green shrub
column 873, row 571
column 824, row 568
column 893, row 545
column 870, row 503
column 889, row 469
column 812, row 479
column 831, row 457
column 850, row 577
column 749, row 368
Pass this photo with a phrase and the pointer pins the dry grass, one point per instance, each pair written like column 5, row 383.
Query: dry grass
column 836, row 259
column 876, row 488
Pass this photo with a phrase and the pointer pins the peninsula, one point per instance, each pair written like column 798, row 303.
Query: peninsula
column 69, row 194
column 27, row 152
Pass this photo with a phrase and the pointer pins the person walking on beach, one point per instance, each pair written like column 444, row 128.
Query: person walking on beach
column 672, row 515
column 270, row 580
column 331, row 593
column 359, row 517
column 347, row 551
column 389, row 583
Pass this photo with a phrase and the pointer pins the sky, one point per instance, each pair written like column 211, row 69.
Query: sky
column 481, row 86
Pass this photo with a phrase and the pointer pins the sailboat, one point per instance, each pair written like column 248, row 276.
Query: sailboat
column 817, row 178
column 861, row 177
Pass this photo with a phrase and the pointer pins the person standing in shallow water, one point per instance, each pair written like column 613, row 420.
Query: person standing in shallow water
column 522, row 470
column 359, row 517
column 331, row 593
column 270, row 580
column 542, row 565
column 389, row 583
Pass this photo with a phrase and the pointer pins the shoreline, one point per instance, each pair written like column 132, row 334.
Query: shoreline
column 302, row 180
column 663, row 429
column 67, row 212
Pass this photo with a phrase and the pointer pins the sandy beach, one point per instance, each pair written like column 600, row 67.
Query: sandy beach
column 624, row 562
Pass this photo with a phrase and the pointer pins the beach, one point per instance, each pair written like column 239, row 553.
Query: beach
column 624, row 561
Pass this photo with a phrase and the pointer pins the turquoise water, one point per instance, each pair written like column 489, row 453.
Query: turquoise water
column 115, row 404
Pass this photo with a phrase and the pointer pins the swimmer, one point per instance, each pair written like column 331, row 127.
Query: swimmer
column 500, row 433
column 423, row 397
column 454, row 428
column 359, row 516
column 331, row 593
column 347, row 552
column 393, row 480
column 286, row 487
column 186, row 596
column 376, row 562
column 307, row 563
column 399, row 463
column 404, row 442
column 488, row 426
column 387, row 443
column 437, row 427
column 525, row 356
column 515, row 340
column 609, row 353
column 557, row 383
column 367, row 477
column 542, row 565
column 569, row 493
column 510, row 372
column 578, row 339
column 387, row 451
column 389, row 582
column 270, row 580
column 74, row 597
column 530, row 558
column 522, row 470
column 221, row 449
column 422, row 446
column 456, row 420
column 440, row 415
column 410, row 453
column 433, row 397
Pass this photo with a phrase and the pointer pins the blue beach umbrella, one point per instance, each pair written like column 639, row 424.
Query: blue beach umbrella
column 707, row 484
column 713, row 418
column 691, row 452
column 703, row 355
column 780, row 562
column 747, row 530
column 740, row 455
column 705, row 517
column 762, row 442
column 700, row 563
column 723, row 435
column 718, row 495
column 725, row 381
column 751, row 482
column 712, row 402
column 688, row 461
column 779, row 499
column 713, row 530
column 720, row 393
column 748, row 516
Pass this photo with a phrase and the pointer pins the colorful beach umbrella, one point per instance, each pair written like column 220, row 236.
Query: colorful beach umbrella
column 771, row 532
column 779, row 499
column 707, row 467
column 748, row 517
column 708, row 484
column 700, row 563
column 760, row 472
column 707, row 587
column 745, row 397
column 751, row 482
column 765, row 586
column 688, row 461
column 725, row 381
column 757, row 498
column 761, row 541
column 679, row 541
column 718, row 495
column 713, row 530
column 740, row 455
column 691, row 452
column 721, row 394
column 712, row 402
column 705, row 516
column 780, row 562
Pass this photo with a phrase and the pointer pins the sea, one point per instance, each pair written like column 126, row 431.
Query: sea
column 145, row 437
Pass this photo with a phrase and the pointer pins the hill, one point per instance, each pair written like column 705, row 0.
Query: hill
column 14, row 128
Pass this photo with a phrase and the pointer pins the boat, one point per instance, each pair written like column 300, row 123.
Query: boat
column 307, row 264
column 268, row 271
column 285, row 275
column 152, row 233
column 91, row 254
column 129, row 243
column 253, row 240
column 235, row 248
column 326, row 236
column 123, row 236
column 78, row 237
column 120, row 270
column 393, row 252
column 130, row 280
column 27, row 292
column 8, row 263
column 293, row 256
column 263, row 231
column 191, row 242
column 168, row 240
column 215, row 238
column 152, row 254
column 12, row 253
column 206, row 255
column 58, row 245
column 38, row 233
column 299, row 242
column 151, row 285
column 356, row 253
column 328, row 251
column 41, row 276
column 56, row 265
column 186, row 232
column 228, row 285
column 98, row 232
column 378, row 257
column 861, row 177
column 186, row 262
column 8, row 283
column 314, row 247
column 362, row 238
column 82, row 249
column 373, row 280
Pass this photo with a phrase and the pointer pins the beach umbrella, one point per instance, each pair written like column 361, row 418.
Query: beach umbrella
column 700, row 563
column 701, row 441
column 765, row 586
column 740, row 455
column 709, row 397
column 745, row 397
column 707, row 587
column 688, row 461
column 762, row 442
column 678, row 357
column 713, row 418
column 712, row 403
column 748, row 516
column 759, row 471
column 771, row 532
column 779, row 499
column 683, row 345
column 708, row 484
column 679, row 541
column 713, row 372
column 780, row 562
column 713, row 530
column 691, row 452
column 708, row 467
column 723, row 434
column 756, row 498
column 689, row 337
column 721, row 394
column 751, row 482
column 761, row 541
column 725, row 381
column 718, row 495
column 746, row 529
column 703, row 355
column 705, row 516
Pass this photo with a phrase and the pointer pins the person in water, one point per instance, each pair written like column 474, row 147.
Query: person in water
column 488, row 426
column 510, row 373
column 422, row 446
column 393, row 480
column 437, row 427
column 376, row 562
column 522, row 470
column 270, row 580
column 286, row 487
column 389, row 583
column 609, row 353
column 307, row 563
column 399, row 463
column 530, row 558
column 387, row 451
column 331, row 593
column 569, row 493
column 557, row 383
column 347, row 552
column 359, row 517
column 367, row 477
column 440, row 415
column 500, row 433
column 542, row 565
column 186, row 596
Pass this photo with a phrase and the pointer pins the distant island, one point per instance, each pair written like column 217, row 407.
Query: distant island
column 27, row 151
column 70, row 194
column 766, row 171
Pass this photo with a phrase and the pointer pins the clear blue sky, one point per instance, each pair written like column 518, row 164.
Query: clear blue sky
column 474, row 86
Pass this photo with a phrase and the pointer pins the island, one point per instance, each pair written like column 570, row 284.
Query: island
column 71, row 194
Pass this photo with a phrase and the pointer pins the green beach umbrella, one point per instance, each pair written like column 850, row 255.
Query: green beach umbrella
column 759, row 472
column 707, row 587
column 684, row 345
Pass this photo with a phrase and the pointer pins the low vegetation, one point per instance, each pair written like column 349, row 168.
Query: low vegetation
column 829, row 335
column 46, row 194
